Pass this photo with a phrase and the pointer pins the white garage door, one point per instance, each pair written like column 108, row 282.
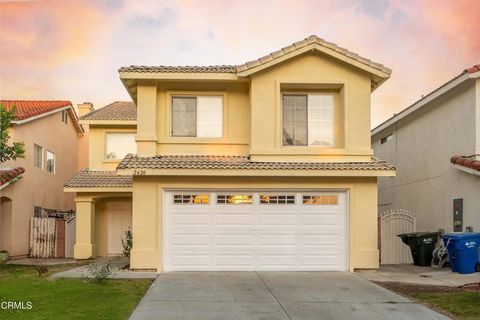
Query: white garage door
column 243, row 230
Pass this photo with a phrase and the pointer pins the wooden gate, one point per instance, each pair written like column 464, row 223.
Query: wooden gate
column 392, row 223
column 42, row 238
column 70, row 227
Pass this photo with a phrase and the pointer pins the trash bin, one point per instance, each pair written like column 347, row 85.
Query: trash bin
column 463, row 250
column 421, row 245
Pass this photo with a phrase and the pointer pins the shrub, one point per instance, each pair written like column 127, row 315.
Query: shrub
column 42, row 270
column 100, row 273
column 127, row 243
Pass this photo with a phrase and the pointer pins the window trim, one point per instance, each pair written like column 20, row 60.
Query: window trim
column 224, row 194
column 190, row 194
column 307, row 93
column 303, row 195
column 54, row 161
column 41, row 156
column 169, row 116
column 278, row 195
column 105, row 159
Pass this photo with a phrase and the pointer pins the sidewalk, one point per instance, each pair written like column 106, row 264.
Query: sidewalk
column 116, row 262
column 407, row 273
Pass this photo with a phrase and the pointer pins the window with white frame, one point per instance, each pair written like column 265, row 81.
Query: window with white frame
column 37, row 156
column 308, row 119
column 119, row 144
column 50, row 161
column 197, row 116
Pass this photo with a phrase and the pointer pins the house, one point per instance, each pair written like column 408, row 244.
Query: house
column 435, row 146
column 261, row 166
column 34, row 185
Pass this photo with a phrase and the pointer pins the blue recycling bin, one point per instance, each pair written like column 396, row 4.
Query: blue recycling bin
column 463, row 250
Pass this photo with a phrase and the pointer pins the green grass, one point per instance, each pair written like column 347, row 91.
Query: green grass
column 67, row 298
column 463, row 305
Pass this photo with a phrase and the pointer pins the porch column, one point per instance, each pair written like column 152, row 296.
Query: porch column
column 85, row 228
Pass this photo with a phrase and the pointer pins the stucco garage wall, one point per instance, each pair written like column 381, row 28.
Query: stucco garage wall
column 148, row 211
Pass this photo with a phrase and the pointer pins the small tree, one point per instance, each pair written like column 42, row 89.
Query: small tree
column 127, row 243
column 17, row 149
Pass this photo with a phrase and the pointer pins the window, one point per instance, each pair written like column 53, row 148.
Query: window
column 37, row 156
column 234, row 199
column 37, row 212
column 64, row 116
column 119, row 144
column 277, row 199
column 308, row 120
column 386, row 139
column 50, row 161
column 320, row 199
column 200, row 116
column 190, row 198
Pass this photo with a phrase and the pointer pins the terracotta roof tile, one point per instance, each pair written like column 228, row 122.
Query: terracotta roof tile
column 29, row 108
column 240, row 163
column 9, row 175
column 98, row 179
column 475, row 68
column 187, row 69
column 468, row 162
column 119, row 110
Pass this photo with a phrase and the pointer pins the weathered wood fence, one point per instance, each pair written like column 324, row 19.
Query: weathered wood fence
column 42, row 238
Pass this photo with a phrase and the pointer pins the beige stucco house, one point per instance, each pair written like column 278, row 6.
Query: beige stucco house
column 262, row 166
column 435, row 146
column 34, row 185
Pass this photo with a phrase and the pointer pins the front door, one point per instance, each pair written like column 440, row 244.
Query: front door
column 119, row 216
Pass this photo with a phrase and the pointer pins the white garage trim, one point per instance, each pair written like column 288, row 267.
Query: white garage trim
column 254, row 236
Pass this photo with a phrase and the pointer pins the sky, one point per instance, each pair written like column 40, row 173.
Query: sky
column 72, row 49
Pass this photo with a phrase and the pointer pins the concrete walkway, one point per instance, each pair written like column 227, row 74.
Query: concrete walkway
column 273, row 295
column 117, row 263
column 407, row 273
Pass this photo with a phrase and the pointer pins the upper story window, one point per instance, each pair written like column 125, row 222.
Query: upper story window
column 200, row 116
column 308, row 120
column 50, row 161
column 37, row 156
column 119, row 144
column 386, row 139
column 64, row 116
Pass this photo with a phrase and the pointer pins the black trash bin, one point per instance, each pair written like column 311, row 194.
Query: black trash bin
column 421, row 245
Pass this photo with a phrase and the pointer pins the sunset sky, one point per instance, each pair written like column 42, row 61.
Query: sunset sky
column 72, row 49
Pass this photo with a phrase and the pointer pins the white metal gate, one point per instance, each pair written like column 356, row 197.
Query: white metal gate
column 392, row 223
column 70, row 229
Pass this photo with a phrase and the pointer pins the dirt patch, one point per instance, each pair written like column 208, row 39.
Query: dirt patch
column 409, row 289
column 472, row 287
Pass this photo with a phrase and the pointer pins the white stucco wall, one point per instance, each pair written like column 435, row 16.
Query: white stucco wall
column 421, row 148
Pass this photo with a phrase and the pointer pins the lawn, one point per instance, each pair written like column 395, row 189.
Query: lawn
column 459, row 303
column 67, row 298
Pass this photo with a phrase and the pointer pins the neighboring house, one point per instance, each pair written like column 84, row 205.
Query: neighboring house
column 435, row 146
column 262, row 166
column 31, row 186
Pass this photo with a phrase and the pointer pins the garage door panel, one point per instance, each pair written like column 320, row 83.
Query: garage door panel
column 276, row 219
column 255, row 236
column 237, row 219
column 234, row 239
column 191, row 219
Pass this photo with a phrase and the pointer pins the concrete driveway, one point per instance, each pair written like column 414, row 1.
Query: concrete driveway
column 273, row 295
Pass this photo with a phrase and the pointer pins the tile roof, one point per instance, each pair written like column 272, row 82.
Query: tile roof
column 313, row 39
column 204, row 162
column 118, row 110
column 475, row 68
column 187, row 69
column 25, row 109
column 87, row 178
column 10, row 175
column 467, row 162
